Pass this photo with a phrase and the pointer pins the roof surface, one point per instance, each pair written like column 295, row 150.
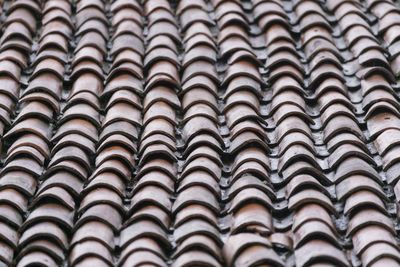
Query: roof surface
column 199, row 133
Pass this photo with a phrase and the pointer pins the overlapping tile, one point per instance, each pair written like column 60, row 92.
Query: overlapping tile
column 360, row 187
column 199, row 133
column 250, row 195
column 98, row 215
column 196, row 208
column 298, row 161
column 30, row 131
column 144, row 234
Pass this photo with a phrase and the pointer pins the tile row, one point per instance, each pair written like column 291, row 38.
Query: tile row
column 315, row 239
column 19, row 30
column 387, row 14
column 379, row 101
column 358, row 185
column 144, row 236
column 102, row 209
column 30, row 135
column 383, row 117
column 74, row 139
column 198, row 195
column 249, row 193
column 314, row 217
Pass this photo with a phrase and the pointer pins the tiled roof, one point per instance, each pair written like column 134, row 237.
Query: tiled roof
column 199, row 133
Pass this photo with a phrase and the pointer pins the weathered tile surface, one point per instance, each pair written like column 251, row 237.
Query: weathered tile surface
column 199, row 133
